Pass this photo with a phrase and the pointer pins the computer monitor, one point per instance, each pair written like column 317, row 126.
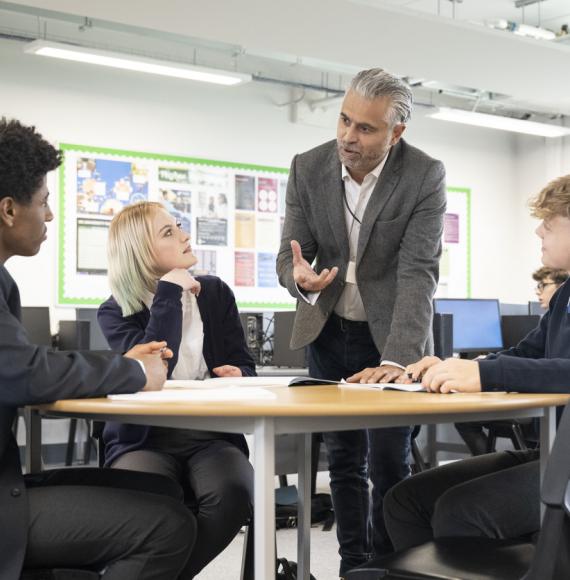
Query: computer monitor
column 283, row 356
column 476, row 323
column 512, row 309
column 97, row 340
column 515, row 328
column 536, row 308
column 35, row 319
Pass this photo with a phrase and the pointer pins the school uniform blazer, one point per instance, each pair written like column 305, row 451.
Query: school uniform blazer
column 31, row 374
column 540, row 362
column 224, row 344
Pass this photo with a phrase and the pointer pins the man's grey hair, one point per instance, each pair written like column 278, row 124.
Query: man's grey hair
column 377, row 82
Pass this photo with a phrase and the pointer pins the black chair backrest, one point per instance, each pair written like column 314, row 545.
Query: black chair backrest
column 552, row 555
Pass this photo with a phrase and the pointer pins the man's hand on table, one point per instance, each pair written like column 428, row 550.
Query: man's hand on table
column 153, row 355
column 382, row 374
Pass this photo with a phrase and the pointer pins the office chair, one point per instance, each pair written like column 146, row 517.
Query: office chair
column 486, row 558
column 513, row 430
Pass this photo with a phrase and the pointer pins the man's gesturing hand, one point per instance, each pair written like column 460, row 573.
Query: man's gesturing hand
column 152, row 355
column 305, row 277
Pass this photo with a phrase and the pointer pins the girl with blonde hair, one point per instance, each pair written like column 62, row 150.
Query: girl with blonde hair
column 156, row 298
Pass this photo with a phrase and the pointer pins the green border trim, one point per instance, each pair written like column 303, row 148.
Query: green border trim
column 467, row 192
column 170, row 158
column 71, row 301
column 64, row 300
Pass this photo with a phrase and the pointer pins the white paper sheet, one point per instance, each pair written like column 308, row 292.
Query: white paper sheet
column 229, row 381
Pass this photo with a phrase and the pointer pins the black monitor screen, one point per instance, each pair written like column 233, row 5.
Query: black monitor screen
column 35, row 319
column 283, row 356
column 476, row 323
column 515, row 328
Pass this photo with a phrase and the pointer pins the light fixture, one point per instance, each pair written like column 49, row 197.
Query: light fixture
column 499, row 122
column 135, row 63
column 523, row 29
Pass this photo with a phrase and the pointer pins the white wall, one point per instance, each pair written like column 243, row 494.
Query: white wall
column 90, row 105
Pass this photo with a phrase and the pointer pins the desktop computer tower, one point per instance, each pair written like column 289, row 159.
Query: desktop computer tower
column 252, row 323
column 443, row 335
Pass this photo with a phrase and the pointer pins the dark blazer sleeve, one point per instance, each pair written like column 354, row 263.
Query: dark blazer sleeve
column 234, row 340
column 524, row 368
column 164, row 322
column 224, row 340
column 31, row 374
column 418, row 271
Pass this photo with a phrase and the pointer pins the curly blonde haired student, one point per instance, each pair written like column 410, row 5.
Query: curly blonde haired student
column 154, row 295
column 494, row 495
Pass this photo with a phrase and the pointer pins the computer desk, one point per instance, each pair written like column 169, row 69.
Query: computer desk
column 301, row 411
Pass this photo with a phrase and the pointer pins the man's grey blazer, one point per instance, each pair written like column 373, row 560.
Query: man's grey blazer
column 397, row 263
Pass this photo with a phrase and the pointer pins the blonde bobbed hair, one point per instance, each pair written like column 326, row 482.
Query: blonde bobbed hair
column 131, row 257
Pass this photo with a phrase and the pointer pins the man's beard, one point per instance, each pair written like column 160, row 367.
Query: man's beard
column 358, row 162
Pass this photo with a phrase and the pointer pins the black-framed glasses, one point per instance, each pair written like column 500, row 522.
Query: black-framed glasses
column 542, row 285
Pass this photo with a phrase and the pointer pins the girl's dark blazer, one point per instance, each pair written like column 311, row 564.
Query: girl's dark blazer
column 224, row 344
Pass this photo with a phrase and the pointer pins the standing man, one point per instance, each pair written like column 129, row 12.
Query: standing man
column 369, row 208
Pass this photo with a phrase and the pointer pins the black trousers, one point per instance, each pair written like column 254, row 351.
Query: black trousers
column 494, row 495
column 133, row 526
column 218, row 480
column 355, row 457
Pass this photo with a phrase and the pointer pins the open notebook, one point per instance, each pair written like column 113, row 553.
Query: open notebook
column 412, row 388
column 268, row 382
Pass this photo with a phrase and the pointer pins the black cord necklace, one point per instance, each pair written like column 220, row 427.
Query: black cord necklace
column 348, row 207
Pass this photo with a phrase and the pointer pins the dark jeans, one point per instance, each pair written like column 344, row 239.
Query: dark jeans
column 342, row 349
column 494, row 495
column 133, row 525
column 218, row 479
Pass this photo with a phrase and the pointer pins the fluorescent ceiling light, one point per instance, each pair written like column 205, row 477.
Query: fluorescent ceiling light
column 523, row 29
column 498, row 122
column 136, row 63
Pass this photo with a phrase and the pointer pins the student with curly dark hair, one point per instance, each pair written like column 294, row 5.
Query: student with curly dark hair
column 131, row 525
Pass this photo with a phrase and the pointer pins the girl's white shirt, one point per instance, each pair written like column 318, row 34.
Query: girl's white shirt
column 191, row 364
